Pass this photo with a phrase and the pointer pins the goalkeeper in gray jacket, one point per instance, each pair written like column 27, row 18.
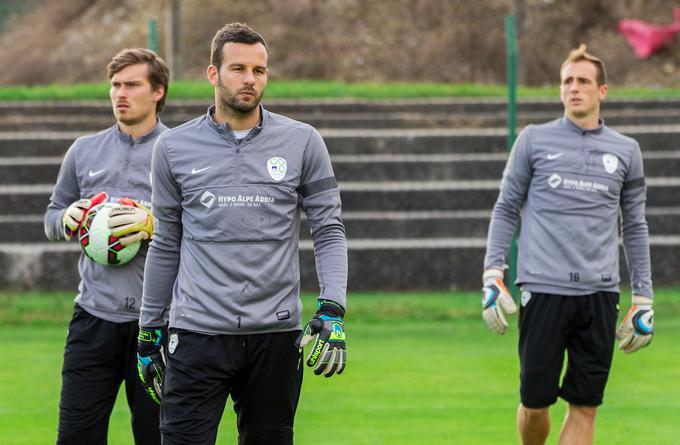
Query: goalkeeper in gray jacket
column 228, row 188
column 113, row 164
column 568, row 180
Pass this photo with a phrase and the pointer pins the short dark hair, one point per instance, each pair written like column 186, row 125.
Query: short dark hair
column 578, row 55
column 158, row 71
column 233, row 32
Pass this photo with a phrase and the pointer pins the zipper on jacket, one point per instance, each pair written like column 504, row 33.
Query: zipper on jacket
column 126, row 162
column 238, row 160
column 584, row 152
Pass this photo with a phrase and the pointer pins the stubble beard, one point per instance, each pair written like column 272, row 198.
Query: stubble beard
column 229, row 104
column 131, row 121
column 132, row 118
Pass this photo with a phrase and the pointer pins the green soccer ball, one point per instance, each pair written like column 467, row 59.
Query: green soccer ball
column 97, row 242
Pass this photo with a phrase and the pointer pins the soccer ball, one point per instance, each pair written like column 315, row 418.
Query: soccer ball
column 97, row 242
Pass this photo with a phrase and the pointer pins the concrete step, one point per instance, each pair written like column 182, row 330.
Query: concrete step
column 387, row 167
column 367, row 225
column 323, row 106
column 401, row 264
column 194, row 108
column 29, row 169
column 325, row 121
column 370, row 225
column 38, row 169
column 468, row 140
column 338, row 141
column 373, row 196
column 460, row 166
column 350, row 120
column 363, row 142
column 443, row 195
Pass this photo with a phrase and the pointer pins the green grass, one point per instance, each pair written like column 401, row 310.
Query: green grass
column 310, row 89
column 422, row 370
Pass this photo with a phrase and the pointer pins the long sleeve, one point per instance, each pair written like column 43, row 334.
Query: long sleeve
column 634, row 227
column 507, row 210
column 65, row 192
column 320, row 199
column 162, row 262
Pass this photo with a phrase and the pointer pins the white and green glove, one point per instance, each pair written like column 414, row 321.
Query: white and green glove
column 496, row 299
column 637, row 328
column 329, row 353
column 130, row 222
column 75, row 214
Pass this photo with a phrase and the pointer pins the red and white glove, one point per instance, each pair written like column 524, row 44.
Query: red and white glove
column 637, row 328
column 130, row 222
column 496, row 299
column 75, row 213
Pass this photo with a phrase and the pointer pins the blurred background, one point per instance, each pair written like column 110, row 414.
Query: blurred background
column 69, row 41
column 418, row 176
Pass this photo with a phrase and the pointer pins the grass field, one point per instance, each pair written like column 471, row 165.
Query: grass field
column 422, row 370
column 310, row 89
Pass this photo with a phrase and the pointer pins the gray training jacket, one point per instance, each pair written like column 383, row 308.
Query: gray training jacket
column 225, row 250
column 569, row 185
column 111, row 162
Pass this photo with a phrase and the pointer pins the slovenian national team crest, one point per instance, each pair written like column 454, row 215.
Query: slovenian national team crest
column 172, row 344
column 610, row 162
column 277, row 167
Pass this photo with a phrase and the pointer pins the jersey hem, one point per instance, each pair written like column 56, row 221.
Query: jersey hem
column 559, row 290
column 108, row 316
column 237, row 332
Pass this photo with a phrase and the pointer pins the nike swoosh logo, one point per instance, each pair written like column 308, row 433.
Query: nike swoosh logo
column 554, row 155
column 195, row 170
column 91, row 173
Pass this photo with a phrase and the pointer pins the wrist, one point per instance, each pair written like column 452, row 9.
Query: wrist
column 329, row 307
column 151, row 335
column 643, row 302
column 491, row 274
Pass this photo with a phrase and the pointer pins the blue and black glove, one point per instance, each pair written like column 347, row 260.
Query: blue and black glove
column 328, row 355
column 151, row 361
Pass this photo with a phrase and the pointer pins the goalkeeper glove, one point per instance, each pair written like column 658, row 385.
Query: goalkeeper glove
column 131, row 222
column 496, row 299
column 151, row 361
column 328, row 355
column 637, row 328
column 75, row 214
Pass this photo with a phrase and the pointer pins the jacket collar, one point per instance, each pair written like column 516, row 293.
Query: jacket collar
column 155, row 131
column 571, row 125
column 226, row 129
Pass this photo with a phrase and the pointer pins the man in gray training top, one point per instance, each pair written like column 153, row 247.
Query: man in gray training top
column 227, row 192
column 568, row 180
column 111, row 165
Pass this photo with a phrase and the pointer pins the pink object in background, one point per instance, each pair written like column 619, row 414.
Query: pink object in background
column 645, row 38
